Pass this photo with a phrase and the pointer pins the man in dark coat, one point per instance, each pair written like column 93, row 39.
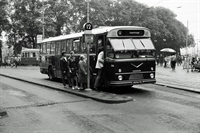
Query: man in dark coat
column 64, row 69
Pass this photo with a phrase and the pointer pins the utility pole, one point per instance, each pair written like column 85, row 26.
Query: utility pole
column 88, row 40
column 43, row 35
column 187, row 55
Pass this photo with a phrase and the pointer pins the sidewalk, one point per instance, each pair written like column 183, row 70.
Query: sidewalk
column 33, row 75
column 179, row 79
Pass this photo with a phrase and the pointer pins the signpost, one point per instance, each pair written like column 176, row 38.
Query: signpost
column 88, row 36
column 39, row 38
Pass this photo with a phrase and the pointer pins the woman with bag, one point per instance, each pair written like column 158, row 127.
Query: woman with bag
column 82, row 72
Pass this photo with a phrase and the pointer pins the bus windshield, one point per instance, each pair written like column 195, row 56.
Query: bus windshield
column 131, row 44
column 130, row 48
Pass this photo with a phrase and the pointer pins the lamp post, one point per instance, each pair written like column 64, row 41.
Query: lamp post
column 88, row 39
column 43, row 35
column 88, row 7
column 187, row 59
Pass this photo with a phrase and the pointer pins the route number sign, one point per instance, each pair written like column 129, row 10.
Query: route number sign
column 87, row 26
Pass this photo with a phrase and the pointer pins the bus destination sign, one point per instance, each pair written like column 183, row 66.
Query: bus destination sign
column 130, row 33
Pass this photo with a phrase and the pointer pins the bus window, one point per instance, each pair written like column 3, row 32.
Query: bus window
column 83, row 47
column 48, row 47
column 30, row 54
column 75, row 45
column 92, row 48
column 67, row 46
column 44, row 48
column 34, row 55
column 58, row 48
column 70, row 46
column 52, row 50
column 23, row 55
column 63, row 48
column 109, row 50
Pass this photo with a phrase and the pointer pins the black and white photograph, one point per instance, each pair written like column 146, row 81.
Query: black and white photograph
column 99, row 66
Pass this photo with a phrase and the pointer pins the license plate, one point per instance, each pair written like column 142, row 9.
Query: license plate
column 136, row 76
column 136, row 82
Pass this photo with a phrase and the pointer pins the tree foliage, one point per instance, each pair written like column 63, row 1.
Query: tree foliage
column 67, row 16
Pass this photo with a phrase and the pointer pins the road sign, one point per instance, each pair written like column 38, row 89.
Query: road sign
column 39, row 38
column 88, row 38
column 87, row 26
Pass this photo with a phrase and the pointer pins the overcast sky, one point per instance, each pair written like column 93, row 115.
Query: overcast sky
column 186, row 10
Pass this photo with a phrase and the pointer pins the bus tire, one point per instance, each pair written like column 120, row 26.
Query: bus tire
column 50, row 74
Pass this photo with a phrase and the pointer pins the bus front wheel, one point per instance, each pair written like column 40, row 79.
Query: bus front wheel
column 50, row 74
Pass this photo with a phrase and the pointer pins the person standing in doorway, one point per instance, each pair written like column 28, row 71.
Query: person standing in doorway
column 64, row 69
column 99, row 66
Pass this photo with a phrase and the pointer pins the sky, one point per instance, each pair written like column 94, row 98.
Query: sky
column 187, row 11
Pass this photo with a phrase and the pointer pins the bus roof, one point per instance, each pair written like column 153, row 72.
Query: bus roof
column 95, row 31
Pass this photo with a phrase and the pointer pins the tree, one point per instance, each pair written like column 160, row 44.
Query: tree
column 4, row 23
column 67, row 16
column 25, row 20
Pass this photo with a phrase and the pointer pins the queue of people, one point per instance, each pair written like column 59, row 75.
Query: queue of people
column 176, row 60
column 76, row 74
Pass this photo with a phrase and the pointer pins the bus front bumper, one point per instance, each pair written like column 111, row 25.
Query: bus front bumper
column 130, row 82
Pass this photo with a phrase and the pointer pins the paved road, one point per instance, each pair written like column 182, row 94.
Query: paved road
column 180, row 79
column 32, row 108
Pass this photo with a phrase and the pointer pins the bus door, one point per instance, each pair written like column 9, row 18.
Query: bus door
column 99, row 41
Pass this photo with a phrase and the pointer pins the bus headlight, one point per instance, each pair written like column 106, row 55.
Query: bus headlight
column 151, row 68
column 120, row 70
column 152, row 75
column 120, row 77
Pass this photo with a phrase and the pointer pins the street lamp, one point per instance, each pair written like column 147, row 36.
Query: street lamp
column 88, row 8
column 43, row 35
column 187, row 59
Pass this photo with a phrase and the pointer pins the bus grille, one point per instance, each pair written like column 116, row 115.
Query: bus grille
column 136, row 76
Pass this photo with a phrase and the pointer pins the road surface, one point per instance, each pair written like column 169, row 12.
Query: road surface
column 33, row 108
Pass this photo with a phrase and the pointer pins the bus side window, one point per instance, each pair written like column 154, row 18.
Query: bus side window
column 63, row 47
column 30, row 54
column 34, row 54
column 75, row 45
column 23, row 55
column 58, row 48
column 44, row 48
column 68, row 46
column 83, row 48
column 52, row 50
column 99, row 42
column 92, row 48
column 48, row 47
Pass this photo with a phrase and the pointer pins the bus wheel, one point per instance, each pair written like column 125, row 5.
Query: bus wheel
column 50, row 74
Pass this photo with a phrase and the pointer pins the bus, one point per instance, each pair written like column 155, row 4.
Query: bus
column 30, row 57
column 129, row 54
